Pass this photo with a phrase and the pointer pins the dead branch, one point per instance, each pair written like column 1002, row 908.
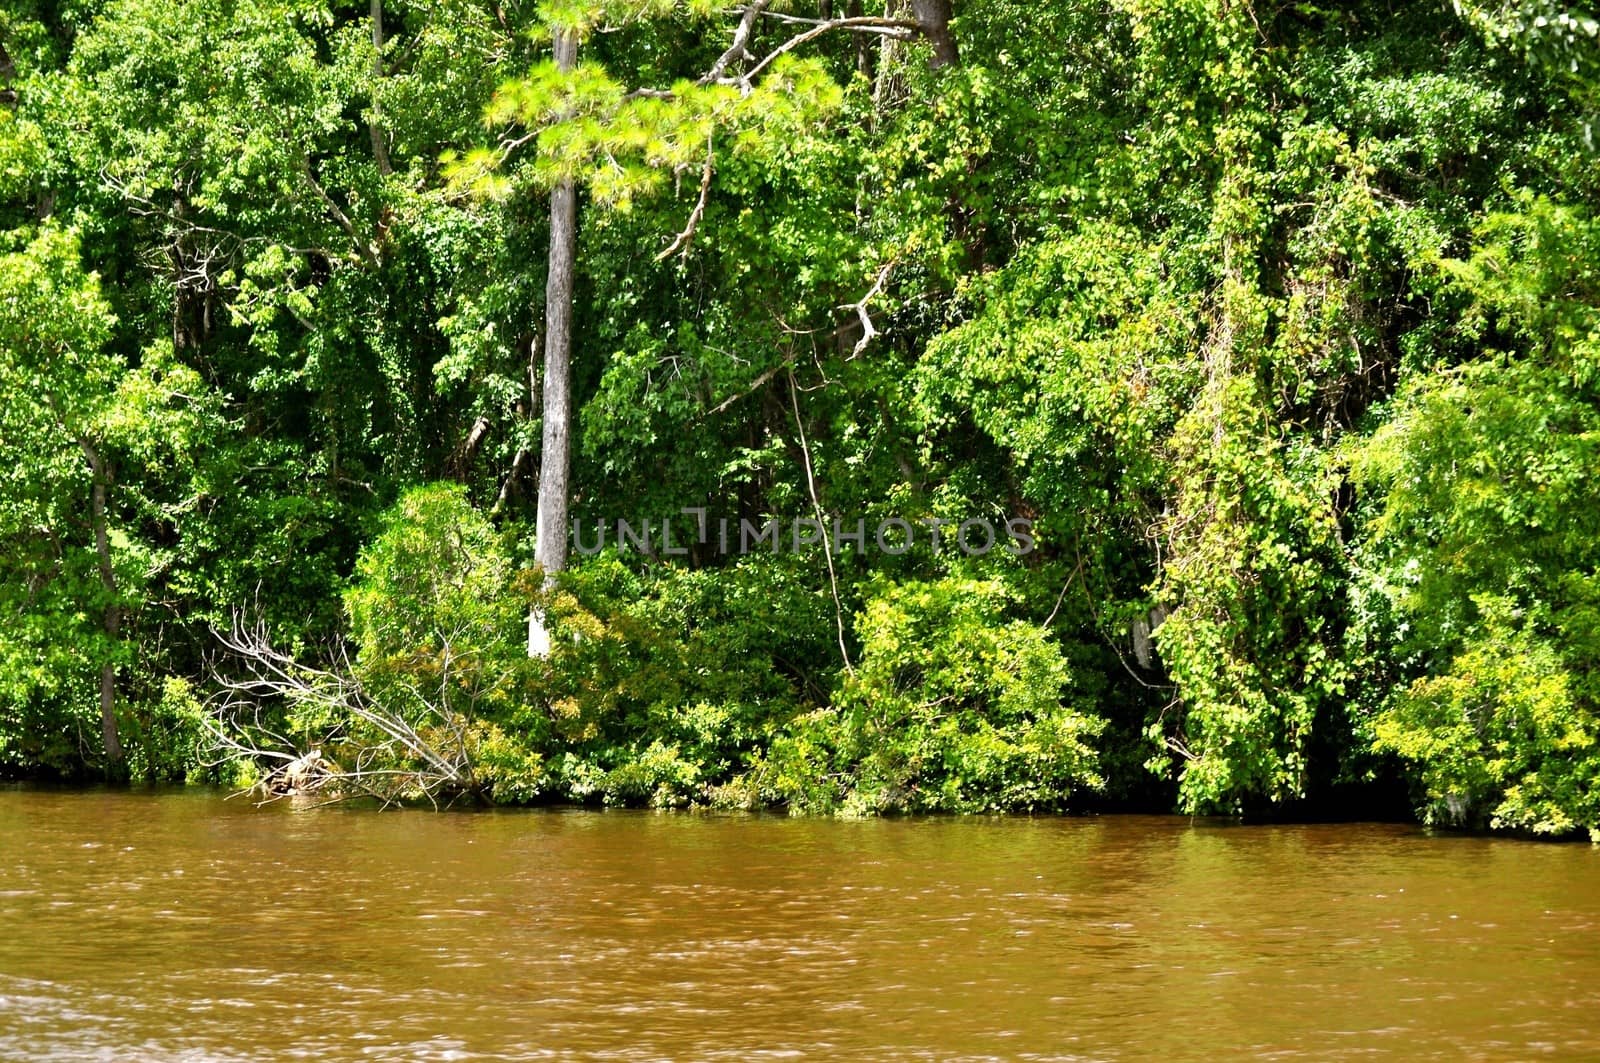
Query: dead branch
column 682, row 242
column 868, row 330
column 340, row 218
column 755, row 385
column 253, row 674
column 895, row 29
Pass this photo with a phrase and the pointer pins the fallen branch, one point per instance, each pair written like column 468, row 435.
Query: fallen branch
column 395, row 761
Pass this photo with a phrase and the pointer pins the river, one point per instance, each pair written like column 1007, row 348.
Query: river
column 180, row 926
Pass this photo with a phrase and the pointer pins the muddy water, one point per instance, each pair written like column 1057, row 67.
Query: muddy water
column 183, row 927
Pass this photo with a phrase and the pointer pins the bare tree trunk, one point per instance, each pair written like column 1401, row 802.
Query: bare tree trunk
column 380, row 143
column 550, row 550
column 113, row 614
column 933, row 19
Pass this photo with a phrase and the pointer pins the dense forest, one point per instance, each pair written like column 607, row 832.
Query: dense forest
column 1161, row 404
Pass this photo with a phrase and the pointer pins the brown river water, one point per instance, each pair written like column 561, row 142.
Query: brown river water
column 184, row 927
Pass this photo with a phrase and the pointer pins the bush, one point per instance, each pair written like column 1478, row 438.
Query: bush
column 1500, row 739
column 441, row 681
column 664, row 686
column 953, row 707
column 166, row 742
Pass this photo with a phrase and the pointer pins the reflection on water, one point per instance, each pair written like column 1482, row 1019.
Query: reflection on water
column 182, row 927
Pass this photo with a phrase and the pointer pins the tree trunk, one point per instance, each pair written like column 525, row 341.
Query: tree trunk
column 887, row 52
column 113, row 613
column 933, row 19
column 852, row 9
column 550, row 550
column 380, row 143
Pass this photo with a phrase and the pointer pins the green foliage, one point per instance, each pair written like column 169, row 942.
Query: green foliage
column 1558, row 35
column 58, row 382
column 435, row 581
column 585, row 124
column 433, row 614
column 1282, row 325
column 1559, row 39
column 1254, row 568
column 953, row 708
column 168, row 737
column 1480, row 558
column 1502, row 738
column 665, row 686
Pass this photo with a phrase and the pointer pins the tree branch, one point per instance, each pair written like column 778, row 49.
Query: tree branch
column 827, row 539
column 739, row 49
column 868, row 330
column 897, row 29
column 340, row 218
column 682, row 242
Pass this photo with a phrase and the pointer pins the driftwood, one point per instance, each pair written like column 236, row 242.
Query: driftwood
column 303, row 775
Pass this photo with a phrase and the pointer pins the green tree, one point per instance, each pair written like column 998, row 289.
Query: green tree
column 57, row 376
column 586, row 124
column 1479, row 559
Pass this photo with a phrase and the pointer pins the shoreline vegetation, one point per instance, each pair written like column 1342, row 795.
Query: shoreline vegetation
column 1167, row 406
column 265, row 792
